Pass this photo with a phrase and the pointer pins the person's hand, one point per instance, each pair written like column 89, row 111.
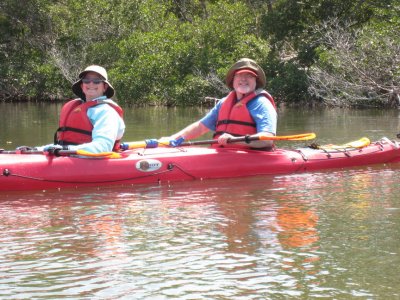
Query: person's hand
column 124, row 146
column 224, row 139
column 171, row 142
column 151, row 143
column 164, row 141
column 177, row 142
column 54, row 149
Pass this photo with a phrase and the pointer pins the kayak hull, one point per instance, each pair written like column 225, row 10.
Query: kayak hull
column 158, row 165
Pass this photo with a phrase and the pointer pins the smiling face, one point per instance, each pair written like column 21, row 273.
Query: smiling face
column 244, row 83
column 93, row 85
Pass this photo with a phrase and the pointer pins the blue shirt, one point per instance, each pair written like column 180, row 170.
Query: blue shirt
column 261, row 110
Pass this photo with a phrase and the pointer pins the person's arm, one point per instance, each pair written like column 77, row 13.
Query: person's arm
column 196, row 129
column 108, row 127
column 192, row 131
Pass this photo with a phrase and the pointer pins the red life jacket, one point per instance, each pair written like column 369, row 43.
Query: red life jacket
column 75, row 127
column 234, row 117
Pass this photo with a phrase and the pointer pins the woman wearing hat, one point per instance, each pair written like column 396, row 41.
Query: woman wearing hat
column 246, row 110
column 93, row 122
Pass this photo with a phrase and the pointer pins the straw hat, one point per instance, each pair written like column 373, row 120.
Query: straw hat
column 77, row 89
column 246, row 65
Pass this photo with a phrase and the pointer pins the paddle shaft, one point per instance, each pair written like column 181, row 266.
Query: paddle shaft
column 55, row 153
column 247, row 139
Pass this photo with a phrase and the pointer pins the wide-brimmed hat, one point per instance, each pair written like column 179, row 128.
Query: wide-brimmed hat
column 251, row 67
column 77, row 89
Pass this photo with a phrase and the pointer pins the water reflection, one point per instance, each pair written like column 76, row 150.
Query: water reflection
column 296, row 235
column 224, row 231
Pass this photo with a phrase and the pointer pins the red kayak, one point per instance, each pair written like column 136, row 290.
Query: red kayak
column 159, row 165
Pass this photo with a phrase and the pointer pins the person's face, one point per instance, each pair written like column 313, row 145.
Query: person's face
column 93, row 85
column 244, row 83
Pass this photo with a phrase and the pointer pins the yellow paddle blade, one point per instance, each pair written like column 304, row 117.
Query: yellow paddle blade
column 363, row 142
column 100, row 155
column 114, row 155
column 296, row 137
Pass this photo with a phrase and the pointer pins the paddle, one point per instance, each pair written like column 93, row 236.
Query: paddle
column 247, row 139
column 64, row 153
column 165, row 143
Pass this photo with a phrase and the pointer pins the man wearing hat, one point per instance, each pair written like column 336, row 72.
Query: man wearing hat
column 93, row 122
column 246, row 110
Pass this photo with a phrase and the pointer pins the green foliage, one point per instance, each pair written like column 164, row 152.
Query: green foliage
column 163, row 61
column 164, row 52
column 290, row 82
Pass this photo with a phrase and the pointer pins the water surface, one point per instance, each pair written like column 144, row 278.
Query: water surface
column 332, row 234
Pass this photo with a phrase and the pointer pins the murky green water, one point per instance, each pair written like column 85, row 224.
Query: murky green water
column 325, row 235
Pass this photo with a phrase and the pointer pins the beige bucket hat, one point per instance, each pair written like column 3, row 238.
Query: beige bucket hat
column 77, row 89
column 246, row 64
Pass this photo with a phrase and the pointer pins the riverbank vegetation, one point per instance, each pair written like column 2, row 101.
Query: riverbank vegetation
column 176, row 52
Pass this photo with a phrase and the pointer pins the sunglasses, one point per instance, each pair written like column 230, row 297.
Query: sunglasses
column 95, row 81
